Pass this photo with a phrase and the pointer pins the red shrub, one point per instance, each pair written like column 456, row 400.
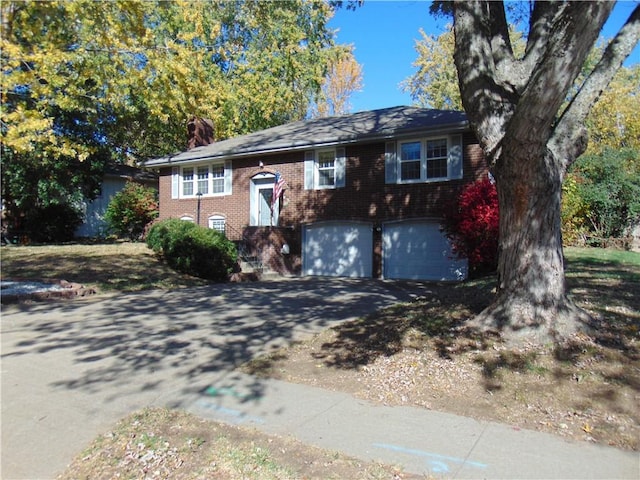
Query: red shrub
column 471, row 224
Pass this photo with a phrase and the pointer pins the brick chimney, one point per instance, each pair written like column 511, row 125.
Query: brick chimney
column 199, row 132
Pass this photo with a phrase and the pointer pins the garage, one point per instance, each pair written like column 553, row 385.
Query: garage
column 418, row 250
column 338, row 249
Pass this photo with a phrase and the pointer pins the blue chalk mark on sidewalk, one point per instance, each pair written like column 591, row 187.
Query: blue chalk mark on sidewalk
column 235, row 415
column 438, row 463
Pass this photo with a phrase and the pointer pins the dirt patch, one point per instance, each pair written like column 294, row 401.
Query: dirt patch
column 161, row 443
column 419, row 354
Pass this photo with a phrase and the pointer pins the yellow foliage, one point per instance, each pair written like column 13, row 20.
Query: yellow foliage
column 614, row 120
column 137, row 70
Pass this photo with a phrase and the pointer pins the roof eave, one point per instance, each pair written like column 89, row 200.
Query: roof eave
column 186, row 159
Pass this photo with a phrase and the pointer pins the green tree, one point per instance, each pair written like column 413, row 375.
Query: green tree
column 531, row 135
column 131, row 210
column 435, row 82
column 86, row 81
column 608, row 188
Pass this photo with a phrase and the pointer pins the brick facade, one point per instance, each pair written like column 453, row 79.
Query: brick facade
column 365, row 197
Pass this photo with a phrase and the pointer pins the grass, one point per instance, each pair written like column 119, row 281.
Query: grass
column 114, row 267
column 158, row 443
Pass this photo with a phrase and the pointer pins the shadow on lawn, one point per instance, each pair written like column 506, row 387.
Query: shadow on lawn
column 437, row 321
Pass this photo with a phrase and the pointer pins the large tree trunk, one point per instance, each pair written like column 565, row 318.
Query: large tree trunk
column 531, row 301
column 516, row 107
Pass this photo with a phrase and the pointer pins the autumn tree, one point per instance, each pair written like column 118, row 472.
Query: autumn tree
column 93, row 82
column 343, row 78
column 614, row 120
column 530, row 135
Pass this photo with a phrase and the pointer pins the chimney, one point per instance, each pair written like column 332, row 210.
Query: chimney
column 199, row 132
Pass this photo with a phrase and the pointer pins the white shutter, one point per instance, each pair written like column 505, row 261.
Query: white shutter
column 455, row 157
column 228, row 177
column 309, row 169
column 340, row 166
column 390, row 163
column 175, row 182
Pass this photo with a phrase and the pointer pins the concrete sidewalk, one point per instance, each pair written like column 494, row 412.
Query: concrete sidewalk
column 419, row 440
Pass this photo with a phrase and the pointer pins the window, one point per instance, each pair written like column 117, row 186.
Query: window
column 212, row 179
column 217, row 175
column 203, row 180
column 437, row 158
column 187, row 181
column 410, row 161
column 217, row 222
column 324, row 169
column 423, row 160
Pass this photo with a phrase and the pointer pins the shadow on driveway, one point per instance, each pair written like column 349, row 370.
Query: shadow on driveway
column 159, row 338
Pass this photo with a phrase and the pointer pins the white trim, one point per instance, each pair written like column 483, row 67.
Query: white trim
column 261, row 181
column 224, row 180
column 214, row 222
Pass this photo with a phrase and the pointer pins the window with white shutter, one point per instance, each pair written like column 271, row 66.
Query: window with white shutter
column 324, row 169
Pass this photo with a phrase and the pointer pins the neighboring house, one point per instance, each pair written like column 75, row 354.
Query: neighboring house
column 115, row 178
column 362, row 194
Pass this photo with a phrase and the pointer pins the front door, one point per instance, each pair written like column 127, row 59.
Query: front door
column 260, row 198
column 264, row 207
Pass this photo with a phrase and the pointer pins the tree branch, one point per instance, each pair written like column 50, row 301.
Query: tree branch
column 570, row 39
column 484, row 99
column 501, row 45
column 543, row 16
column 569, row 138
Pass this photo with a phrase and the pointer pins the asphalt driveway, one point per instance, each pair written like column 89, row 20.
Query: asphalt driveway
column 71, row 369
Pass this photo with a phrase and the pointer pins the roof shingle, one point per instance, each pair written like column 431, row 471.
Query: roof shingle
column 368, row 125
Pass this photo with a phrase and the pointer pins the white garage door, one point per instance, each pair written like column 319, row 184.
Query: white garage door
column 338, row 249
column 417, row 250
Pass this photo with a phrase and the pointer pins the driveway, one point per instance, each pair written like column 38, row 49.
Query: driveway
column 71, row 369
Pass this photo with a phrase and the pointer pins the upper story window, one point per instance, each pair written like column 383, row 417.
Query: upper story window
column 211, row 179
column 424, row 160
column 324, row 169
column 327, row 169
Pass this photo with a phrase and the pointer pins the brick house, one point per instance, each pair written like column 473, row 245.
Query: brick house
column 360, row 195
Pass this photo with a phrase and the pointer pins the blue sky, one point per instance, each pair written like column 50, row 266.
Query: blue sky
column 384, row 35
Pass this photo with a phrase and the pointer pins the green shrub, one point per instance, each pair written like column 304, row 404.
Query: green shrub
column 607, row 193
column 53, row 223
column 131, row 210
column 191, row 249
column 162, row 234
